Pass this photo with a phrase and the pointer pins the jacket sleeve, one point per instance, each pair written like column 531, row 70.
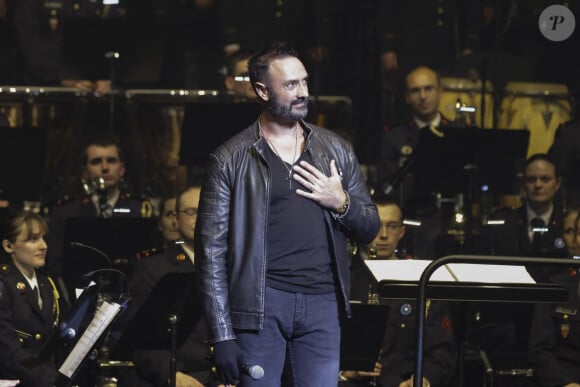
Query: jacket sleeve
column 12, row 353
column 543, row 344
column 211, row 247
column 361, row 219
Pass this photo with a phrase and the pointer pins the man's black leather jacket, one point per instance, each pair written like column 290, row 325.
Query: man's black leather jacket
column 231, row 229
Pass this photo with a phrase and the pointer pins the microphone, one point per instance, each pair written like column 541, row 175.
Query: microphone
column 79, row 244
column 255, row 372
column 400, row 174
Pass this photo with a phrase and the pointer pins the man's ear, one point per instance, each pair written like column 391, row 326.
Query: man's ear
column 262, row 91
column 7, row 246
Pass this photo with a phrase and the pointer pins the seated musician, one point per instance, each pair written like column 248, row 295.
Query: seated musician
column 29, row 301
column 395, row 365
column 423, row 91
column 152, row 366
column 105, row 196
column 554, row 347
column 534, row 229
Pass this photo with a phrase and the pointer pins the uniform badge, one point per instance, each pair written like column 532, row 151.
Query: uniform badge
column 559, row 243
column 180, row 257
column 406, row 150
column 565, row 328
column 146, row 210
column 20, row 286
column 406, row 309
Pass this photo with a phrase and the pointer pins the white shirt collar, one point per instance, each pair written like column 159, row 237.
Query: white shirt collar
column 188, row 251
column 435, row 122
column 33, row 282
column 545, row 217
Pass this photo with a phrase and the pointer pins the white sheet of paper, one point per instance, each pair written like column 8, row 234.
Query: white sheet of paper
column 411, row 270
column 491, row 274
column 405, row 270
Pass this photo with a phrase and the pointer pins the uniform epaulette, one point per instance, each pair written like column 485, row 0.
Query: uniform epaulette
column 147, row 253
column 64, row 200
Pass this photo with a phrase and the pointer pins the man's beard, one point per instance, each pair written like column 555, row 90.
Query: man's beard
column 285, row 112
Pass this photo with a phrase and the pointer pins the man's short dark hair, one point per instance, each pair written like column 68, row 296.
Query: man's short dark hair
column 102, row 140
column 260, row 62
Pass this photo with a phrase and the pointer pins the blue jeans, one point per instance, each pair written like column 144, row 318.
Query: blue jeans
column 303, row 326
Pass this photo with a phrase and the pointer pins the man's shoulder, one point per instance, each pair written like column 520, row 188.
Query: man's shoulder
column 239, row 141
column 139, row 206
column 169, row 260
column 400, row 129
column 69, row 207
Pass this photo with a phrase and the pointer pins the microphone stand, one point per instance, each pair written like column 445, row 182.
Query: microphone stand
column 172, row 360
column 112, row 56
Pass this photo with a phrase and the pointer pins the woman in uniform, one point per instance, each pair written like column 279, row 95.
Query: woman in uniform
column 29, row 301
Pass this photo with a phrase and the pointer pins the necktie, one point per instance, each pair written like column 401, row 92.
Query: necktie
column 537, row 225
column 38, row 298
column 106, row 210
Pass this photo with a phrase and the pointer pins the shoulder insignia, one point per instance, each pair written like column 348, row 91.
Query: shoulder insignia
column 180, row 257
column 146, row 253
column 406, row 150
column 5, row 269
column 446, row 324
column 146, row 209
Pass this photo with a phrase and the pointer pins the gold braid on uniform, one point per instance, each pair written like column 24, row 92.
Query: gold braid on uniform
column 56, row 306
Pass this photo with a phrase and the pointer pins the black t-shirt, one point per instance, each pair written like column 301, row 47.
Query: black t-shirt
column 298, row 250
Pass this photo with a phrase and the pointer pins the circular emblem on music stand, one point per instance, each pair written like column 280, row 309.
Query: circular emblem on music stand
column 406, row 309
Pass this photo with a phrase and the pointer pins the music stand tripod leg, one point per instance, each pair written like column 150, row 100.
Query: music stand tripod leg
column 172, row 361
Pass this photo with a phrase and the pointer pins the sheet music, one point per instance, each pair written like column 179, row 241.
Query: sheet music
column 491, row 274
column 405, row 270
column 411, row 270
column 104, row 315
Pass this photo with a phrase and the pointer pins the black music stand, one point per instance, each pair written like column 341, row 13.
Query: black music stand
column 501, row 154
column 456, row 291
column 27, row 147
column 467, row 157
column 362, row 336
column 166, row 318
column 118, row 238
